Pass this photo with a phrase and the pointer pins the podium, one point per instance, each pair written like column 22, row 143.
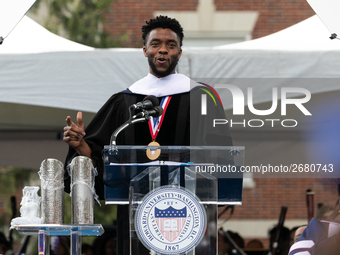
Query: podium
column 174, row 196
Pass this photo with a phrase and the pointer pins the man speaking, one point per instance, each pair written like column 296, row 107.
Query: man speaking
column 162, row 38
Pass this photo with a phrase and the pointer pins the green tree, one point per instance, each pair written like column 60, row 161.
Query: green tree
column 81, row 21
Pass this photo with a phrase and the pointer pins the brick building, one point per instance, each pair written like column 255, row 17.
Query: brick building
column 261, row 17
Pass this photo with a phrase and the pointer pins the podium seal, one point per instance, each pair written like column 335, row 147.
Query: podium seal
column 170, row 220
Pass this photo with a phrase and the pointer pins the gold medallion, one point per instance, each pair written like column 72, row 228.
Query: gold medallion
column 153, row 154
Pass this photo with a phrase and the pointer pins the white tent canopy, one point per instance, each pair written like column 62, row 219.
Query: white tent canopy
column 40, row 68
column 28, row 37
column 301, row 51
column 11, row 12
column 327, row 11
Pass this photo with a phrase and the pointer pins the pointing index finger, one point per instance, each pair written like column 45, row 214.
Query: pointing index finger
column 80, row 118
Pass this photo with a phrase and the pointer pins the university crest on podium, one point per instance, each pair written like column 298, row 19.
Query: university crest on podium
column 170, row 220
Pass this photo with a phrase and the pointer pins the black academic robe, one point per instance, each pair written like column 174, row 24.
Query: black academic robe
column 183, row 109
column 183, row 112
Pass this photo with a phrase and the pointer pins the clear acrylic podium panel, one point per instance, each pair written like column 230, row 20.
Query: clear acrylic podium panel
column 202, row 185
column 126, row 162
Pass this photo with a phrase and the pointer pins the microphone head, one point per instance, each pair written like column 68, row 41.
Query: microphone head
column 154, row 100
column 159, row 111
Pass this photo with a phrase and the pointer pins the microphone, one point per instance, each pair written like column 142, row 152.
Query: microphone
column 154, row 112
column 147, row 103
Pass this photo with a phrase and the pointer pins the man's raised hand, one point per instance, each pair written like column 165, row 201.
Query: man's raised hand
column 74, row 133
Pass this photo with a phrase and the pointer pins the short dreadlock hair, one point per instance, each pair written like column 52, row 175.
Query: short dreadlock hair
column 162, row 22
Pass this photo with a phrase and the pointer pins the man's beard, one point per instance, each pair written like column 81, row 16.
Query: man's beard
column 168, row 71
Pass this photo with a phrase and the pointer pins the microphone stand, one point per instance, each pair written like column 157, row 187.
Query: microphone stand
column 113, row 148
